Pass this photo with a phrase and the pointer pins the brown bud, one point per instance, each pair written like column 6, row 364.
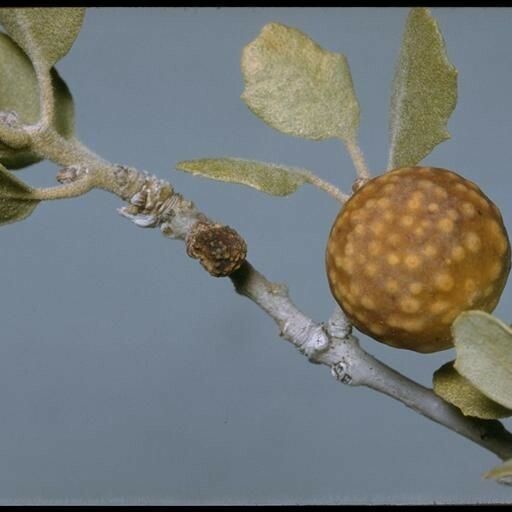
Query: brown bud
column 411, row 250
column 219, row 249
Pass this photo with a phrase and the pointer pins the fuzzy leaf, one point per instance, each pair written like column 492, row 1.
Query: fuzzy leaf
column 456, row 389
column 484, row 354
column 276, row 180
column 45, row 34
column 297, row 87
column 16, row 198
column 424, row 92
column 19, row 93
column 501, row 473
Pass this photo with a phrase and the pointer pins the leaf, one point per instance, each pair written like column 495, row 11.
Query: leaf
column 424, row 92
column 297, row 87
column 456, row 389
column 501, row 473
column 45, row 34
column 16, row 198
column 19, row 93
column 484, row 354
column 276, row 180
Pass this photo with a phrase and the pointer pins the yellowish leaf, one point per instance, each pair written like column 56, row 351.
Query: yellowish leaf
column 424, row 92
column 297, row 87
column 16, row 198
column 45, row 34
column 456, row 389
column 484, row 354
column 501, row 473
column 19, row 93
column 276, row 180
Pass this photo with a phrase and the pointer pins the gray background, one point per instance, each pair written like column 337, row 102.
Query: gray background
column 128, row 375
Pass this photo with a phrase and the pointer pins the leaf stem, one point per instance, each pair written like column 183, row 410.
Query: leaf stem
column 358, row 159
column 51, row 146
column 46, row 96
column 331, row 189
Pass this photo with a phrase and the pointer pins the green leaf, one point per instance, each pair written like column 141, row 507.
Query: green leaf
column 501, row 473
column 45, row 34
column 456, row 389
column 19, row 93
column 276, row 180
column 424, row 92
column 297, row 87
column 16, row 198
column 484, row 354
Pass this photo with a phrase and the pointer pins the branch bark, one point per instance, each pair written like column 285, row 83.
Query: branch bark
column 334, row 346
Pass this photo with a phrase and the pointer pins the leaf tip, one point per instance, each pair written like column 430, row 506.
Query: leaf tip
column 184, row 165
column 500, row 474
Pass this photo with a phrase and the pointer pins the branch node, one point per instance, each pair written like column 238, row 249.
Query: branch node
column 141, row 220
column 278, row 289
column 219, row 249
column 168, row 231
column 340, row 372
column 152, row 203
column 318, row 342
column 138, row 199
column 338, row 326
column 71, row 173
column 10, row 118
column 12, row 133
column 125, row 178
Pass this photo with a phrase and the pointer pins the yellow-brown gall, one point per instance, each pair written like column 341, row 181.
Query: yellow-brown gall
column 446, row 251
